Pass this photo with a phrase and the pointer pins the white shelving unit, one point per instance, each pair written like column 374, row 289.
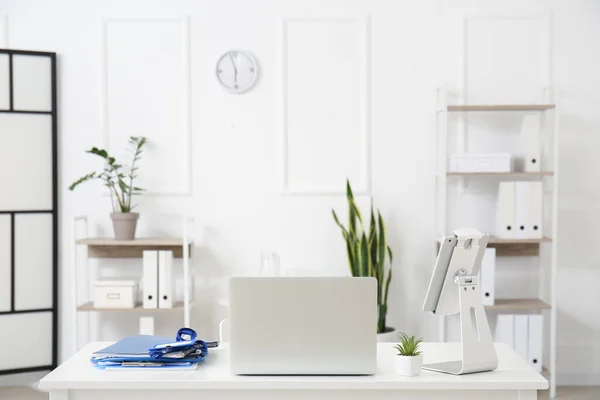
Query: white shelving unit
column 107, row 248
column 545, row 249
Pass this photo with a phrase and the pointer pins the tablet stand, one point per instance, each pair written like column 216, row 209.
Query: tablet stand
column 478, row 352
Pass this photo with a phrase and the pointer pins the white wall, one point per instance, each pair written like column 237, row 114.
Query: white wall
column 147, row 68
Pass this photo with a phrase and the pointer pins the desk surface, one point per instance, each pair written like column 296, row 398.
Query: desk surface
column 513, row 373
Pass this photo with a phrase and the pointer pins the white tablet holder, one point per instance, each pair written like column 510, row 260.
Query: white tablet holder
column 460, row 293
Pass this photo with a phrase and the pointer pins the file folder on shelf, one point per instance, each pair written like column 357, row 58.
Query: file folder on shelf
column 505, row 210
column 536, row 341
column 529, row 210
column 531, row 143
column 150, row 279
column 487, row 277
column 505, row 330
column 535, row 214
column 522, row 336
column 165, row 279
column 521, row 209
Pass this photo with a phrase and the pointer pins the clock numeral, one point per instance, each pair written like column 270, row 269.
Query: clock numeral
column 220, row 71
column 251, row 69
column 236, row 86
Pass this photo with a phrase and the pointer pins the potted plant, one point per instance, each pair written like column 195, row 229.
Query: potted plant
column 367, row 251
column 409, row 359
column 119, row 182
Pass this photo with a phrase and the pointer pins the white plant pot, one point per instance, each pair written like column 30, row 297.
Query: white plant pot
column 409, row 366
column 390, row 335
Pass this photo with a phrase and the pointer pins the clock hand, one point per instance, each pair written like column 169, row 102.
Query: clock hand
column 235, row 71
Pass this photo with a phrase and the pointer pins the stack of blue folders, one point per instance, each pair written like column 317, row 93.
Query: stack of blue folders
column 145, row 351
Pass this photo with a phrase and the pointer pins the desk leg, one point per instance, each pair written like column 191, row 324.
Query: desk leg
column 59, row 394
column 527, row 394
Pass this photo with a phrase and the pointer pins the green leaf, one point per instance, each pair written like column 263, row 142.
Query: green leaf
column 381, row 248
column 99, row 152
column 373, row 240
column 349, row 194
column 387, row 286
column 350, row 252
column 84, row 178
column 351, row 249
column 364, row 256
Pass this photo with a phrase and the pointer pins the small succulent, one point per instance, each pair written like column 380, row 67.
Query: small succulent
column 408, row 346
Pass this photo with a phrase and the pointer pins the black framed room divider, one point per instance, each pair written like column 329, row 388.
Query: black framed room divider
column 28, row 212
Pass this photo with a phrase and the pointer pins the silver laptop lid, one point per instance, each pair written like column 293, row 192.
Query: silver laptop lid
column 315, row 326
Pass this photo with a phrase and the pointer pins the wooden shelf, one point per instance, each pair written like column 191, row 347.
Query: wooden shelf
column 519, row 304
column 112, row 248
column 89, row 306
column 502, row 107
column 500, row 241
column 515, row 247
column 511, row 175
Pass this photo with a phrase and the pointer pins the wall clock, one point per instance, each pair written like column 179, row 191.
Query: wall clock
column 237, row 71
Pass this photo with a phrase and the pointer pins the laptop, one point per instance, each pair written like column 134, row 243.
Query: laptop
column 303, row 326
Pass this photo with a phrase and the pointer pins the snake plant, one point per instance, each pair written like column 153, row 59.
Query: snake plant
column 367, row 251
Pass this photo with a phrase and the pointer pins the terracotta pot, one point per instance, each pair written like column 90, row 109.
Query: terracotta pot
column 124, row 225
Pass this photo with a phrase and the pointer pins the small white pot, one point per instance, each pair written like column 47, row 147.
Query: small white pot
column 409, row 366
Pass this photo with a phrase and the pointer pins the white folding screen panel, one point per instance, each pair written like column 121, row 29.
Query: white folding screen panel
column 33, row 261
column 16, row 329
column 26, row 153
column 28, row 210
column 4, row 82
column 5, row 264
column 32, row 83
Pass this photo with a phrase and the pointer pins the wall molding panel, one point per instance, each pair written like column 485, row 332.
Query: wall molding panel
column 469, row 19
column 4, row 31
column 306, row 139
column 157, row 108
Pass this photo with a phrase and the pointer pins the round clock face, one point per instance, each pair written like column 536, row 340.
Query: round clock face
column 236, row 71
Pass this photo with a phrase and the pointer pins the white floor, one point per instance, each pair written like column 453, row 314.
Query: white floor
column 564, row 393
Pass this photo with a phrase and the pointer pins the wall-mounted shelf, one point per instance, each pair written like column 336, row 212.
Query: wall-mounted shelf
column 503, row 175
column 89, row 306
column 501, row 107
column 111, row 248
column 519, row 304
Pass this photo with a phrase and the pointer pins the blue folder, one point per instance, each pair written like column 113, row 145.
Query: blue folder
column 153, row 351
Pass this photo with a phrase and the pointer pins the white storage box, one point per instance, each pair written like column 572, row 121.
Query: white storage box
column 115, row 293
column 480, row 162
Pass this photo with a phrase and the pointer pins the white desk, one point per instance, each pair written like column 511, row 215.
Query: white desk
column 77, row 379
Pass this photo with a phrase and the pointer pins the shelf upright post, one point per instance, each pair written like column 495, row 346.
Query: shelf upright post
column 75, row 282
column 551, row 94
column 442, row 176
column 186, row 271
